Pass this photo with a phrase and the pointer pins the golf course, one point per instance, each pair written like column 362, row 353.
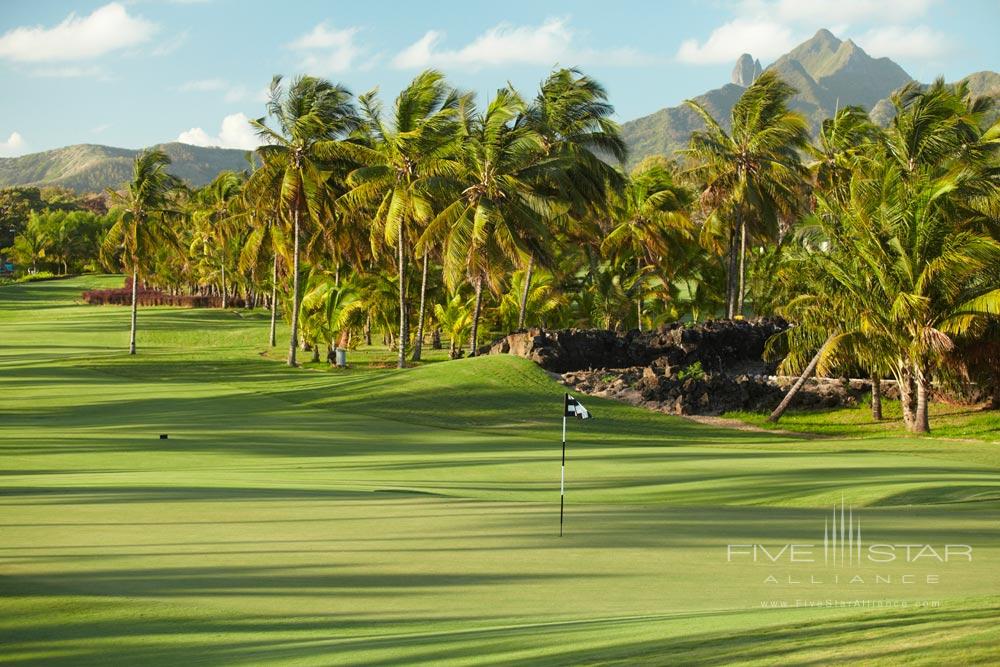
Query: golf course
column 375, row 515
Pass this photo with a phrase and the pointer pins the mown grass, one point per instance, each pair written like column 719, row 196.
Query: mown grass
column 376, row 516
column 947, row 421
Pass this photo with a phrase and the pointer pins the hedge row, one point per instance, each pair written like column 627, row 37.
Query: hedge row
column 151, row 297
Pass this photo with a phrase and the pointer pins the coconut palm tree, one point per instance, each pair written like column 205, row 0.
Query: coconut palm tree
column 149, row 208
column 332, row 306
column 648, row 223
column 844, row 139
column 544, row 300
column 218, row 220
column 310, row 116
column 498, row 213
column 572, row 115
column 455, row 317
column 753, row 174
column 260, row 206
column 399, row 171
column 30, row 245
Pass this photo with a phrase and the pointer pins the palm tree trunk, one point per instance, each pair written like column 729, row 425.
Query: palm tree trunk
column 638, row 298
column 404, row 330
column 522, row 311
column 876, row 397
column 731, row 276
column 293, row 340
column 135, row 309
column 794, row 389
column 225, row 294
column 743, row 258
column 904, row 379
column 274, row 297
column 921, row 420
column 474, row 338
column 418, row 342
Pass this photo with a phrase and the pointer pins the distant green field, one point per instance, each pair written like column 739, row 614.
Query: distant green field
column 377, row 516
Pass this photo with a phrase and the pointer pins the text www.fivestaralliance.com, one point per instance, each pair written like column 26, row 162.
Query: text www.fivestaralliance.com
column 850, row 603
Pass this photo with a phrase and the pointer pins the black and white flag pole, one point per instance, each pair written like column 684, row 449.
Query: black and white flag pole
column 571, row 408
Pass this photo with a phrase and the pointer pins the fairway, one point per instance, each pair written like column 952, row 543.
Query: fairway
column 377, row 516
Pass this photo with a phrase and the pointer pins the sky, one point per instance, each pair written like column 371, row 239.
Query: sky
column 135, row 73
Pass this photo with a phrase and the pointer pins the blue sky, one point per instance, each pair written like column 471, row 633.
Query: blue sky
column 136, row 73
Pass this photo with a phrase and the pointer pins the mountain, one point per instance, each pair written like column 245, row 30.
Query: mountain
column 92, row 168
column 828, row 73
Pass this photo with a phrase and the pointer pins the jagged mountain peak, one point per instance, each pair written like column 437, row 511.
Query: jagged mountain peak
column 746, row 70
column 827, row 72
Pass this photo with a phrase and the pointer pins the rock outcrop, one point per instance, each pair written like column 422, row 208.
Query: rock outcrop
column 685, row 369
column 734, row 346
column 746, row 70
column 716, row 393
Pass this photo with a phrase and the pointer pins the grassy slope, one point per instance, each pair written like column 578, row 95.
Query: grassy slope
column 385, row 516
column 947, row 422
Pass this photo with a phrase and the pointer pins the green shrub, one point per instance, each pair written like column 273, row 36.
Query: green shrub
column 693, row 372
column 35, row 277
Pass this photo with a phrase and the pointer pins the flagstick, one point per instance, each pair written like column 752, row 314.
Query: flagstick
column 562, row 477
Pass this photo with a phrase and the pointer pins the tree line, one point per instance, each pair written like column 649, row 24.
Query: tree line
column 436, row 216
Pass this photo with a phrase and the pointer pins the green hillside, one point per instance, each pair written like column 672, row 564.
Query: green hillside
column 92, row 168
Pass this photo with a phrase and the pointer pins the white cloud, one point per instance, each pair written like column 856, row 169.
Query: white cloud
column 328, row 50
column 171, row 44
column 906, row 43
column 760, row 38
column 236, row 133
column 547, row 44
column 835, row 13
column 106, row 29
column 100, row 129
column 14, row 145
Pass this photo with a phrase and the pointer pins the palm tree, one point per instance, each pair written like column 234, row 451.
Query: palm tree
column 649, row 222
column 572, row 115
column 400, row 170
column 544, row 300
column 311, row 115
column 30, row 245
column 454, row 316
column 216, row 199
column 752, row 174
column 332, row 306
column 260, row 203
column 498, row 214
column 843, row 140
column 144, row 225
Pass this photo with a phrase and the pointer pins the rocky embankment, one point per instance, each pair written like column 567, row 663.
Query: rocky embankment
column 702, row 369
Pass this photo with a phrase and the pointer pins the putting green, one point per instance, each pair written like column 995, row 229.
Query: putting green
column 306, row 516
